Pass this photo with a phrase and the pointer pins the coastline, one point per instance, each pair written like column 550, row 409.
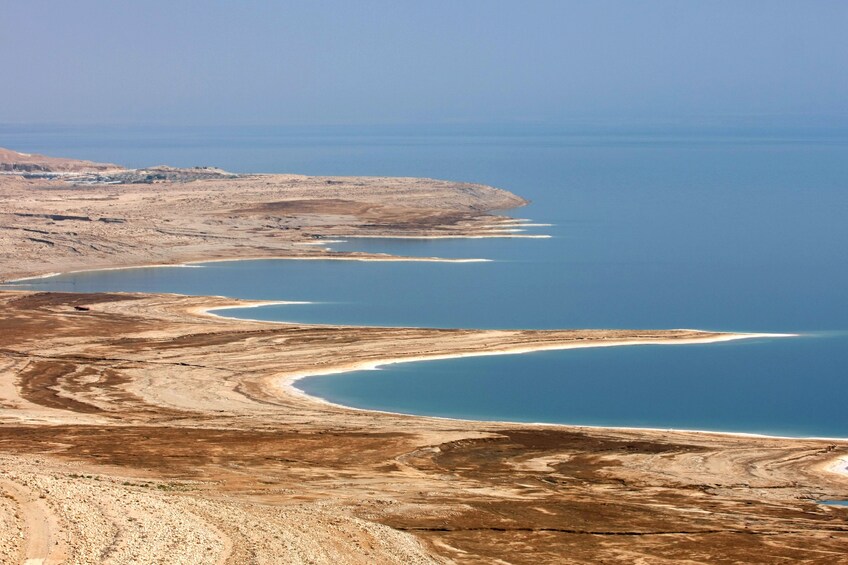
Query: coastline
column 198, row 264
column 209, row 311
column 473, row 236
column 216, row 390
column 288, row 384
column 839, row 467
column 98, row 269
column 162, row 419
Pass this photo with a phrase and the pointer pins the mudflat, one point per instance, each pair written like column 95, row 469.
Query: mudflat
column 137, row 428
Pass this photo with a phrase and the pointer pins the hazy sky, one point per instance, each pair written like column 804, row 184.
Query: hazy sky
column 395, row 61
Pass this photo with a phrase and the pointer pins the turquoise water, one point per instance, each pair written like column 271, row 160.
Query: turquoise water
column 664, row 229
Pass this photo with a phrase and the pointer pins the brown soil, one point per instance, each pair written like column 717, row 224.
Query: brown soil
column 143, row 388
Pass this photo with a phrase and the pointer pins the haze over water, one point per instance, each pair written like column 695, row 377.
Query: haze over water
column 702, row 228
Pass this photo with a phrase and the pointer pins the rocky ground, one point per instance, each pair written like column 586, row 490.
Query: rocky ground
column 136, row 428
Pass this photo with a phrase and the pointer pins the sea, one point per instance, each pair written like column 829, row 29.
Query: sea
column 656, row 226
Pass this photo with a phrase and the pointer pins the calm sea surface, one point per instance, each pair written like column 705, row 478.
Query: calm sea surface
column 704, row 229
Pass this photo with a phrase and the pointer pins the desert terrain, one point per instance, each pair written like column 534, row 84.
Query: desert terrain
column 142, row 429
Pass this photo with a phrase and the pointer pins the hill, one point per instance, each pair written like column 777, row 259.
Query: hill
column 14, row 161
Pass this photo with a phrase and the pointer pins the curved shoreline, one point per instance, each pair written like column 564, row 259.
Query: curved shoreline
column 839, row 466
column 287, row 382
column 475, row 236
column 198, row 264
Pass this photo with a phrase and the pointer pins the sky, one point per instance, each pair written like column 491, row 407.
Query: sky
column 402, row 62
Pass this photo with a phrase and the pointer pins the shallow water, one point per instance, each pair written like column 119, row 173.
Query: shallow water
column 735, row 232
column 833, row 502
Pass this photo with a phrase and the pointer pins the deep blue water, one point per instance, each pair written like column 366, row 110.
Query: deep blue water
column 659, row 229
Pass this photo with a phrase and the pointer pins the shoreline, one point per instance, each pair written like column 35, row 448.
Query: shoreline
column 288, row 384
column 208, row 311
column 78, row 271
column 198, row 264
column 474, row 236
column 594, row 427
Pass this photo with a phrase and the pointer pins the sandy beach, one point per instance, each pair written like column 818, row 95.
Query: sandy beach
column 675, row 337
column 134, row 426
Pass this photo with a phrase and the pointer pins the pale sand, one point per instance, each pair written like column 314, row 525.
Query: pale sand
column 474, row 236
column 839, row 467
column 210, row 311
column 122, row 268
column 321, row 242
column 522, row 222
column 364, row 258
column 370, row 365
column 250, row 305
column 288, row 382
column 199, row 263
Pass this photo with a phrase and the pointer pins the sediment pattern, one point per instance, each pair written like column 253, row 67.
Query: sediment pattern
column 137, row 426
